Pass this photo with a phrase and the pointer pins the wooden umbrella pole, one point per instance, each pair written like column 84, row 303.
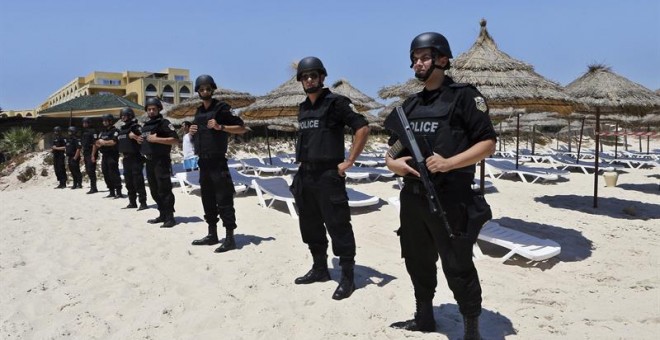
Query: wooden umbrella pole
column 517, row 137
column 597, row 152
column 580, row 142
column 616, row 139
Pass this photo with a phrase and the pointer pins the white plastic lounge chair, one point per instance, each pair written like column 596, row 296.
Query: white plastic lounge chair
column 564, row 162
column 191, row 179
column 240, row 178
column 632, row 162
column 505, row 166
column 369, row 161
column 278, row 189
column 525, row 245
column 356, row 172
column 288, row 167
column 232, row 163
column 256, row 165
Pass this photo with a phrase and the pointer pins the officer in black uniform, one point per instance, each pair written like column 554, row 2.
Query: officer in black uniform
column 73, row 147
column 210, row 130
column 58, row 148
column 107, row 145
column 156, row 139
column 133, row 161
column 88, row 140
column 451, row 124
column 319, row 187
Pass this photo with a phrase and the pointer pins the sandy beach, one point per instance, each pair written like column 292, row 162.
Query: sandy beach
column 77, row 266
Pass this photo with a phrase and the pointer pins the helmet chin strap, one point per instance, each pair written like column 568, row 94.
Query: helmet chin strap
column 314, row 89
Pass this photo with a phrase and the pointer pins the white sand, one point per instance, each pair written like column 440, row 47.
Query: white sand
column 77, row 266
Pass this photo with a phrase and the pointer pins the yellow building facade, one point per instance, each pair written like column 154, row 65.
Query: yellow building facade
column 171, row 85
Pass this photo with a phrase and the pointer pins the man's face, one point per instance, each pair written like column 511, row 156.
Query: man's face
column 106, row 122
column 205, row 92
column 124, row 118
column 311, row 79
column 152, row 110
column 422, row 59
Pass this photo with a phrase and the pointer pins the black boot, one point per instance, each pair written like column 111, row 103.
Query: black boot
column 118, row 193
column 347, row 283
column 158, row 219
column 92, row 190
column 169, row 221
column 143, row 205
column 61, row 186
column 423, row 321
column 471, row 328
column 111, row 193
column 318, row 273
column 131, row 204
column 229, row 243
column 210, row 239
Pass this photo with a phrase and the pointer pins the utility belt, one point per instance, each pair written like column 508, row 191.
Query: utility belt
column 318, row 166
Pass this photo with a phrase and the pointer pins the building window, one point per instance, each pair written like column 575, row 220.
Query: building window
column 108, row 82
column 179, row 78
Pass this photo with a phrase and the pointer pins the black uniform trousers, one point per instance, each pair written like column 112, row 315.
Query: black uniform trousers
column 74, row 169
column 133, row 177
column 159, row 172
column 323, row 203
column 110, row 170
column 423, row 238
column 217, row 189
column 90, row 169
column 60, row 167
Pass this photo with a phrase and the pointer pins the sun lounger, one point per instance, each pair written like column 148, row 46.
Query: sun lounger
column 240, row 178
column 564, row 162
column 632, row 162
column 358, row 173
column 232, row 163
column 288, row 167
column 278, row 190
column 505, row 167
column 525, row 245
column 191, row 179
column 256, row 165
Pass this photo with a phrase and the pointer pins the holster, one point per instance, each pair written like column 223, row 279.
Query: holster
column 478, row 214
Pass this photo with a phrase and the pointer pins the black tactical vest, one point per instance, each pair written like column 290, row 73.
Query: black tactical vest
column 87, row 139
column 109, row 134
column 71, row 146
column 316, row 141
column 437, row 125
column 127, row 145
column 155, row 125
column 59, row 142
column 209, row 143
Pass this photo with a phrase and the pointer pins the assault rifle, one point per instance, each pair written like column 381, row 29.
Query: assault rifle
column 399, row 124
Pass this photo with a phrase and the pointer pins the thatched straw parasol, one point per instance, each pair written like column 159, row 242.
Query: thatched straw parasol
column 280, row 102
column 189, row 106
column 600, row 90
column 361, row 101
column 401, row 91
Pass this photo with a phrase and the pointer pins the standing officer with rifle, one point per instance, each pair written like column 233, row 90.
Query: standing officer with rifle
column 440, row 214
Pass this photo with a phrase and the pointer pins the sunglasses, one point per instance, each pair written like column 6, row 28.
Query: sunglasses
column 309, row 75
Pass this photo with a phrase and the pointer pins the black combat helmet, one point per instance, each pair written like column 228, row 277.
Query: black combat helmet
column 431, row 40
column 205, row 79
column 153, row 101
column 108, row 117
column 128, row 112
column 57, row 129
column 310, row 64
column 72, row 130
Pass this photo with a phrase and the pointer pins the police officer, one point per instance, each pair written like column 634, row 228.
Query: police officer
column 88, row 139
column 73, row 147
column 156, row 139
column 319, row 187
column 450, row 121
column 210, row 130
column 107, row 145
column 132, row 159
column 58, row 148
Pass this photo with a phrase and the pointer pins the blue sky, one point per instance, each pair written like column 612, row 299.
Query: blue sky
column 250, row 45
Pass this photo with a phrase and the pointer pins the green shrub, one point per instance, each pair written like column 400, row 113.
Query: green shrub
column 19, row 140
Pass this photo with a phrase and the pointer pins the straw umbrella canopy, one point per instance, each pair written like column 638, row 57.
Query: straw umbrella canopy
column 280, row 102
column 401, row 91
column 361, row 101
column 189, row 106
column 600, row 90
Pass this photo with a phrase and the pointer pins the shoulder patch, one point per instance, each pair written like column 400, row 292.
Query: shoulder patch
column 171, row 127
column 480, row 103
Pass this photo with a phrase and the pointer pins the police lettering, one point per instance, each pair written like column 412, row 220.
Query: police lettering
column 424, row 127
column 309, row 124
